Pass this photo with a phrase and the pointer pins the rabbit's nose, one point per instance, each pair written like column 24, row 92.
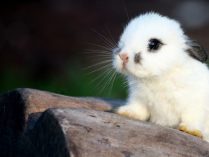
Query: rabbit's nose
column 124, row 57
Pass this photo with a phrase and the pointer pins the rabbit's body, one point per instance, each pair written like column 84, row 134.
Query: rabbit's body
column 169, row 98
column 166, row 84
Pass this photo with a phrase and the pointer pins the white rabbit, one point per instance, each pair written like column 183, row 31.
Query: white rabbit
column 168, row 79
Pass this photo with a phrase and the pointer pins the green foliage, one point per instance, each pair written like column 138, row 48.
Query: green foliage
column 76, row 82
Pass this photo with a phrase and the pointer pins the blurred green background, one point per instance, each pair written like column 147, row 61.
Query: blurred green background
column 44, row 44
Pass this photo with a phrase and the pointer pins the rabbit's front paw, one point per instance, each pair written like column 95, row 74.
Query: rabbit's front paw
column 134, row 112
column 194, row 132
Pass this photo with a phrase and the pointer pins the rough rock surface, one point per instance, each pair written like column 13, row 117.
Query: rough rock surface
column 42, row 124
column 88, row 133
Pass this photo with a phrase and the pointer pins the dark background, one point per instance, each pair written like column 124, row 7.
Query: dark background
column 43, row 43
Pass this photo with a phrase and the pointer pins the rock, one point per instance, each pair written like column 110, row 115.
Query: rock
column 89, row 133
column 17, row 105
column 42, row 124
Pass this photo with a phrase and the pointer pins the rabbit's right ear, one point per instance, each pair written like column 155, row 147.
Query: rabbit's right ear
column 196, row 51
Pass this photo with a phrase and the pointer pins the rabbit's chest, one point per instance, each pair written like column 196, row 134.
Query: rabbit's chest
column 162, row 103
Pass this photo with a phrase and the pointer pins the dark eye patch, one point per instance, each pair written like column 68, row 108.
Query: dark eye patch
column 154, row 44
column 137, row 58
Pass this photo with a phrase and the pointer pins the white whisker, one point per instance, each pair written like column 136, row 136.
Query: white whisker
column 105, row 39
column 113, row 80
column 102, row 53
column 99, row 69
column 111, row 37
column 105, row 85
column 99, row 64
column 105, row 47
column 99, row 76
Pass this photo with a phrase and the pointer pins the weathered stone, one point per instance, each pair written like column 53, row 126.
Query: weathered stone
column 88, row 133
column 26, row 129
column 17, row 105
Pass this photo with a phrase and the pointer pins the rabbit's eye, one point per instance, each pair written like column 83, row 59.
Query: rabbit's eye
column 154, row 44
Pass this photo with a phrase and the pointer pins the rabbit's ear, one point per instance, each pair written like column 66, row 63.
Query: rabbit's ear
column 196, row 51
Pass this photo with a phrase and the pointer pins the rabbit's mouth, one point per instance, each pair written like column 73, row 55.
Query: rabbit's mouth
column 120, row 63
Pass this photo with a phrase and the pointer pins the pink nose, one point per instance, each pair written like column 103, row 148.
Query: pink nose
column 124, row 57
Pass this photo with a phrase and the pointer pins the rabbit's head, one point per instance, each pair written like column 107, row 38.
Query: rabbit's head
column 151, row 45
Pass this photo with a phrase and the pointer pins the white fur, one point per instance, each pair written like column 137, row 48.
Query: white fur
column 168, row 87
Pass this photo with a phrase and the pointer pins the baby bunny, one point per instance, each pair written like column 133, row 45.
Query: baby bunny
column 167, row 77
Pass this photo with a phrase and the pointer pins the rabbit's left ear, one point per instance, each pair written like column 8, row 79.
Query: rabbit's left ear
column 196, row 51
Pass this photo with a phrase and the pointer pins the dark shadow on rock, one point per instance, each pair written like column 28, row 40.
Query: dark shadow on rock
column 48, row 138
column 12, row 112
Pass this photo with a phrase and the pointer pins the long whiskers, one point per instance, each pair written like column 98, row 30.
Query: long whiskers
column 105, row 39
column 102, row 71
column 103, row 47
column 100, row 68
